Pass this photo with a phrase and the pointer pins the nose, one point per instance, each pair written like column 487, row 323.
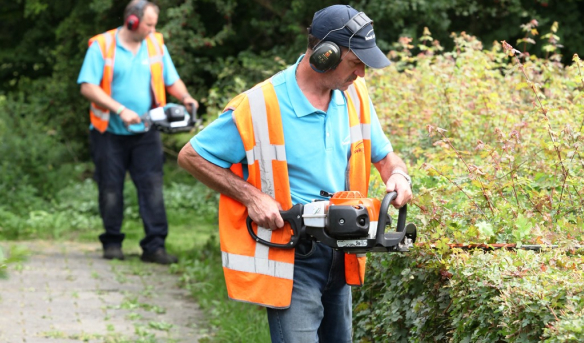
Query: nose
column 360, row 70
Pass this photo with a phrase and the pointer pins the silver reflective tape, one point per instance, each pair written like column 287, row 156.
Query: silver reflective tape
column 108, row 43
column 352, row 91
column 155, row 59
column 356, row 134
column 262, row 266
column 280, row 152
column 366, row 131
column 104, row 115
column 264, row 152
column 259, row 117
column 156, row 45
column 270, row 153
column 262, row 251
column 250, row 157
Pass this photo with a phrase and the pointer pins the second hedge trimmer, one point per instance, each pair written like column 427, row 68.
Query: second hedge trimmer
column 171, row 118
column 347, row 222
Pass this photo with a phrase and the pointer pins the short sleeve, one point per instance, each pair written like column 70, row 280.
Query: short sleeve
column 220, row 142
column 92, row 68
column 380, row 144
column 170, row 73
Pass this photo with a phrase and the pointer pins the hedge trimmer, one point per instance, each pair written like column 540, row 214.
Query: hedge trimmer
column 171, row 118
column 347, row 222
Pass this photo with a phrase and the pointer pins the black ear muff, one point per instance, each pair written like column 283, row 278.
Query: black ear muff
column 132, row 22
column 325, row 56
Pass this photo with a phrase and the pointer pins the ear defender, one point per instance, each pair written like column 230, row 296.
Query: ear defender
column 325, row 56
column 132, row 22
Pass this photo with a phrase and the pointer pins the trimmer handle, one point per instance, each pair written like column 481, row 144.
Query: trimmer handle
column 294, row 217
column 384, row 217
column 145, row 119
column 195, row 121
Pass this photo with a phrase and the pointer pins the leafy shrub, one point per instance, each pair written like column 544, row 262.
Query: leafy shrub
column 501, row 296
column 32, row 155
column 492, row 138
column 74, row 208
column 493, row 142
column 403, row 299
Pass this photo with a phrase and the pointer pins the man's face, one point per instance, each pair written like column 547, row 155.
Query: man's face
column 347, row 71
column 147, row 23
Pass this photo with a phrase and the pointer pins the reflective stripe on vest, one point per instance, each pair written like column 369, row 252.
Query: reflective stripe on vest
column 155, row 44
column 98, row 115
column 359, row 166
column 255, row 273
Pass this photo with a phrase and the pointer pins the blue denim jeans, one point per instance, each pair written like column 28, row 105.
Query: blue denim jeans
column 321, row 300
column 142, row 156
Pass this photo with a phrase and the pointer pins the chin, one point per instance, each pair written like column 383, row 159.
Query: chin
column 345, row 86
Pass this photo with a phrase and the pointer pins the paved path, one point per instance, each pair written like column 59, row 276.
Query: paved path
column 65, row 292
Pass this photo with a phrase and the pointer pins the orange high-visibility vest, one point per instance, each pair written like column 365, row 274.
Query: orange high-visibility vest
column 256, row 273
column 107, row 42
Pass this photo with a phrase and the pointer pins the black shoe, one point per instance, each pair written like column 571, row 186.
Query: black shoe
column 159, row 256
column 113, row 253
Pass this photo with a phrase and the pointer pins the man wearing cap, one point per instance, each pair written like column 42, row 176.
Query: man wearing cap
column 309, row 128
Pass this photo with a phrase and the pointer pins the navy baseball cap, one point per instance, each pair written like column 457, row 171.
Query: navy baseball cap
column 332, row 23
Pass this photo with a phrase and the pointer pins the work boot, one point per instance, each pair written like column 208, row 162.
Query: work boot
column 159, row 256
column 113, row 253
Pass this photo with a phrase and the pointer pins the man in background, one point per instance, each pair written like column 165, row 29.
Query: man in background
column 126, row 72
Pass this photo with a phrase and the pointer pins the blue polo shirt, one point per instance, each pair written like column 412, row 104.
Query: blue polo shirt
column 131, row 81
column 317, row 143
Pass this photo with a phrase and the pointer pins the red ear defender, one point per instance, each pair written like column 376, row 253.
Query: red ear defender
column 132, row 22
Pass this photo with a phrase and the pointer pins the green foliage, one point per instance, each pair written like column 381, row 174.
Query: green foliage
column 33, row 160
column 403, row 299
column 492, row 138
column 74, row 208
column 2, row 264
column 471, row 297
column 222, row 47
column 12, row 254
column 493, row 142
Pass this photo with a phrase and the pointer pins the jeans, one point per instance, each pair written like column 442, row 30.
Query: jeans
column 142, row 156
column 321, row 300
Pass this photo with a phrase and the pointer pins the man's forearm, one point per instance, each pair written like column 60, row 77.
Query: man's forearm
column 220, row 179
column 389, row 164
column 178, row 90
column 95, row 94
column 262, row 208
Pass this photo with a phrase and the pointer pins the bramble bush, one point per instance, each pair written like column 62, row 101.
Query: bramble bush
column 493, row 140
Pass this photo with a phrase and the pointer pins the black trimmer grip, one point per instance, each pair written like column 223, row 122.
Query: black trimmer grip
column 384, row 217
column 195, row 121
column 294, row 217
